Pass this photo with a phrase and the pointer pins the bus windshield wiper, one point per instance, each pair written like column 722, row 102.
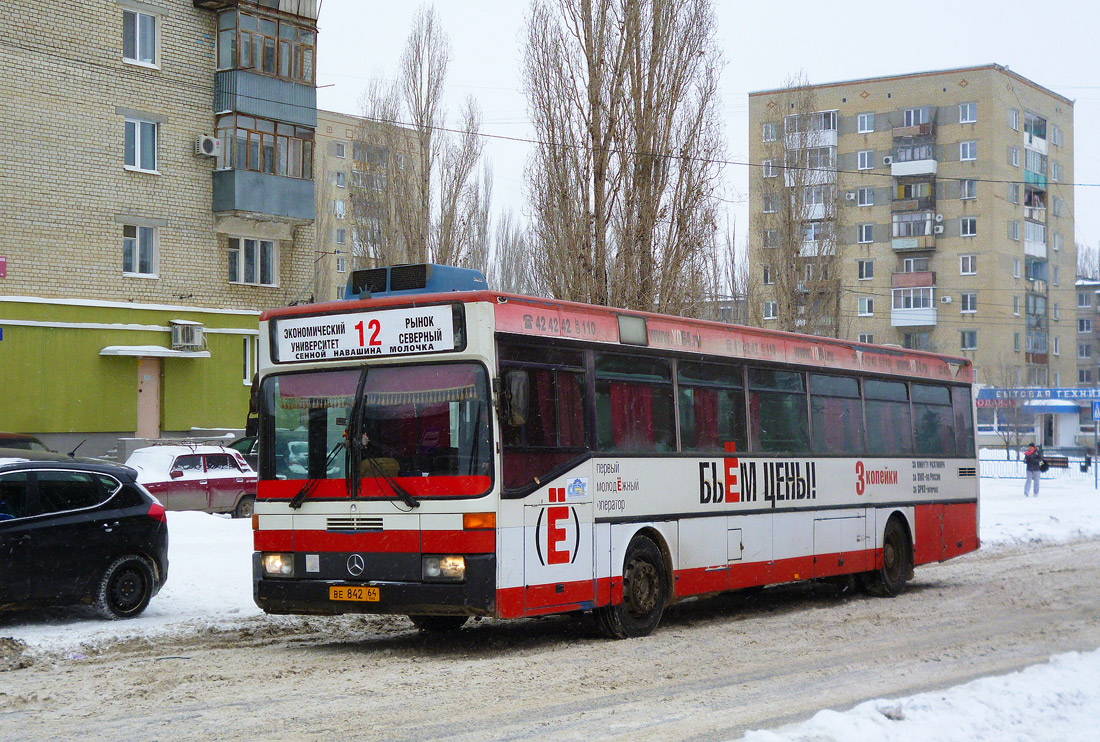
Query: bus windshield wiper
column 401, row 492
column 311, row 483
column 356, row 453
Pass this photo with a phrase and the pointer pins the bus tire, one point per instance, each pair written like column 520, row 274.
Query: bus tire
column 645, row 593
column 897, row 561
column 437, row 624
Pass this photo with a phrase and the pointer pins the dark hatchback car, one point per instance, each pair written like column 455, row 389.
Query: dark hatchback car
column 78, row 531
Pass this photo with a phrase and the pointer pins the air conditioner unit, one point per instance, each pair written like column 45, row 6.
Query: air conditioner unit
column 939, row 218
column 187, row 335
column 850, row 196
column 938, row 229
column 887, row 160
column 208, row 146
column 945, row 299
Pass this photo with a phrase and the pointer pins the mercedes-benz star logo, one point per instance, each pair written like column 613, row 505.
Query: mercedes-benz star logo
column 355, row 565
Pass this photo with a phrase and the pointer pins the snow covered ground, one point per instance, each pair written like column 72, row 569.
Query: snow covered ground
column 210, row 587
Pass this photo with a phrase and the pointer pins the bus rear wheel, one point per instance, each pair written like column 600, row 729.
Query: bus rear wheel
column 897, row 562
column 437, row 624
column 645, row 593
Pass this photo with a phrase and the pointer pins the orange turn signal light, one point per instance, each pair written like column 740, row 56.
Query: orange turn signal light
column 255, row 522
column 476, row 521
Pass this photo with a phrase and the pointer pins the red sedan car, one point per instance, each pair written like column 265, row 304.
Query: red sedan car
column 213, row 479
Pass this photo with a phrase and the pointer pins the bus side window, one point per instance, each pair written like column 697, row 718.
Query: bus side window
column 836, row 415
column 889, row 429
column 553, row 431
column 634, row 411
column 933, row 424
column 777, row 411
column 712, row 407
column 964, row 421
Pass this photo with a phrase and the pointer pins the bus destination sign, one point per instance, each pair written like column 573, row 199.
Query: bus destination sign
column 391, row 332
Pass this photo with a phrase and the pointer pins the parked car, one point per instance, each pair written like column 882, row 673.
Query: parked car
column 213, row 479
column 248, row 448
column 22, row 441
column 78, row 530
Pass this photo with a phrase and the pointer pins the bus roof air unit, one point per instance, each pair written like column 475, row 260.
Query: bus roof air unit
column 422, row 278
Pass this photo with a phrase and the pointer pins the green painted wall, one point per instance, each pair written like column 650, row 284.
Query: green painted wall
column 53, row 379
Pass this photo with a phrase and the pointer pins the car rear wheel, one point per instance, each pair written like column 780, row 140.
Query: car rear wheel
column 125, row 588
column 245, row 507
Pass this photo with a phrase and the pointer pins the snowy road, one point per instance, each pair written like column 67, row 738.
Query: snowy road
column 714, row 670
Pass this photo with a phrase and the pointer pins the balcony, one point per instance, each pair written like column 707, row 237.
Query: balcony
column 302, row 8
column 923, row 317
column 1035, row 179
column 924, row 242
column 809, row 139
column 1035, row 286
column 1037, row 143
column 266, row 97
column 913, row 167
column 913, row 280
column 914, row 306
column 1036, row 213
column 260, row 195
column 1035, row 249
column 926, row 203
column 917, row 130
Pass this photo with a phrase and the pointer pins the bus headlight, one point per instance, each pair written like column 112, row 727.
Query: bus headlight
column 444, row 568
column 278, row 565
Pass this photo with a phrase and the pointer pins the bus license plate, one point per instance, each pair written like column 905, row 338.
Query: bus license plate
column 360, row 594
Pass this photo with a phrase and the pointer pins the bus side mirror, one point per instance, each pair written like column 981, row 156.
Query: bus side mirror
column 514, row 399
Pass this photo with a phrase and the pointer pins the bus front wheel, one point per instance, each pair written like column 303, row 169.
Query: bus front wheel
column 645, row 593
column 897, row 562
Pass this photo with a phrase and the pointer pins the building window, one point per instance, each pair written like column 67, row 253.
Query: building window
column 914, row 265
column 771, row 310
column 1016, row 342
column 968, row 113
column 1084, row 325
column 1054, row 271
column 1014, row 193
column 1084, row 350
column 1014, row 156
column 341, row 264
column 1056, row 349
column 866, row 269
column 918, row 298
column 341, row 236
column 265, row 146
column 1056, row 313
column 1055, row 171
column 770, row 169
column 968, row 188
column 968, row 340
column 1084, row 376
column 338, row 208
column 866, row 306
column 866, row 123
column 771, row 238
column 1016, row 268
column 969, row 302
column 141, row 145
column 968, row 265
column 139, row 250
column 1014, row 230
column 768, row 281
column 866, row 233
column 866, row 337
column 770, row 131
column 915, row 116
column 865, row 197
column 252, row 261
column 1058, row 208
column 771, row 203
column 968, row 150
column 1055, row 135
column 1016, row 305
column 866, row 159
column 968, row 226
column 341, row 180
column 1059, row 241
column 1084, row 299
column 917, row 341
column 1014, row 119
column 267, row 45
column 139, row 37
column 340, row 151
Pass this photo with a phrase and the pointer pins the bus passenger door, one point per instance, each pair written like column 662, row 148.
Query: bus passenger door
column 558, row 568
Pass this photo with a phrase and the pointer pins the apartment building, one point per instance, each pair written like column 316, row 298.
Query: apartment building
column 159, row 196
column 366, row 176
column 932, row 210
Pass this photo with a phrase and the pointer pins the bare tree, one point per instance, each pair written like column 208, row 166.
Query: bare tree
column 1088, row 262
column 799, row 271
column 1013, row 422
column 419, row 196
column 512, row 267
column 623, row 96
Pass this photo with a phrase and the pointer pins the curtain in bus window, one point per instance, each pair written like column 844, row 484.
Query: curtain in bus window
column 570, row 409
column 837, row 425
column 705, row 406
column 542, row 419
column 777, row 411
column 553, row 433
column 632, row 417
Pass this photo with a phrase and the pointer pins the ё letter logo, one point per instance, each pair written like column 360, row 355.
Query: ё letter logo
column 557, row 521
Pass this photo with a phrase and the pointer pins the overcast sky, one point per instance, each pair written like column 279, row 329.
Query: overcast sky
column 1052, row 43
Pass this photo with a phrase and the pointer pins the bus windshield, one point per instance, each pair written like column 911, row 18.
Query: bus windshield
column 426, row 420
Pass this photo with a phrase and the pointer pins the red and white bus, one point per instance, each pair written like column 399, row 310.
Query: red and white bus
column 447, row 454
